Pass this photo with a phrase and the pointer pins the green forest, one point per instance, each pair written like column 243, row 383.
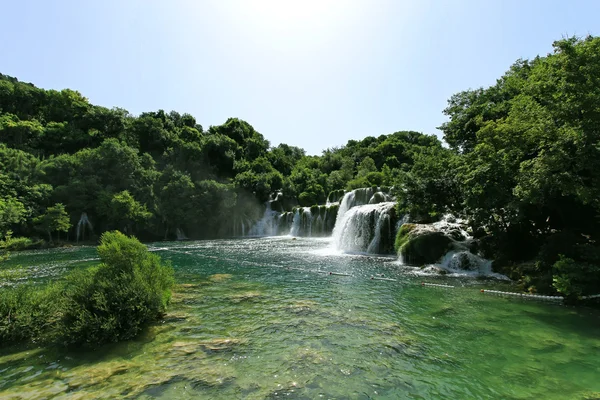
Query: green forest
column 518, row 164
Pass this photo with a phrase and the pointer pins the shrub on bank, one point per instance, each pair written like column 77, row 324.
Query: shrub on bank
column 20, row 243
column 107, row 303
column 114, row 301
column 29, row 313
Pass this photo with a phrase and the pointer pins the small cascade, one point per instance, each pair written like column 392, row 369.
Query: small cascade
column 315, row 221
column 307, row 219
column 366, row 222
column 295, row 231
column 81, row 225
column 463, row 260
column 383, row 230
column 240, row 226
column 367, row 228
column 180, row 234
column 267, row 225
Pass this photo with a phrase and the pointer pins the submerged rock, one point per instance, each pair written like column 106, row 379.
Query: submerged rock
column 251, row 295
column 220, row 277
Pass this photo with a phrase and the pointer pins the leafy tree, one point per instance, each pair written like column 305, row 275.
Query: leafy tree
column 121, row 209
column 12, row 212
column 55, row 219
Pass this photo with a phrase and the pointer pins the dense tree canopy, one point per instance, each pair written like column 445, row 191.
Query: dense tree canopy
column 158, row 172
column 524, row 164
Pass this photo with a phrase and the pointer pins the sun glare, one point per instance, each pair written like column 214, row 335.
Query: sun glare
column 306, row 19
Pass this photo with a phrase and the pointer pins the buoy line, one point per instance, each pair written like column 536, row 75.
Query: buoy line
column 377, row 278
column 437, row 285
column 523, row 295
column 594, row 296
column 380, row 277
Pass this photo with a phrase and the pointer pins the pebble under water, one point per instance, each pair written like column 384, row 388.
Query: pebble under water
column 263, row 319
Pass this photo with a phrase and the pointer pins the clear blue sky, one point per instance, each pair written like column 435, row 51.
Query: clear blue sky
column 311, row 73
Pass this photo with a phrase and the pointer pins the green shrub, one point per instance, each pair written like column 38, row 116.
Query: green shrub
column 307, row 199
column 29, row 313
column 114, row 301
column 107, row 303
column 574, row 278
column 19, row 244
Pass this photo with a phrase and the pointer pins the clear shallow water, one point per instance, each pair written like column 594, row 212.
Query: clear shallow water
column 243, row 325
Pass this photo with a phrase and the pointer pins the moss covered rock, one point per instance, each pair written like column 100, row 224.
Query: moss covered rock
column 402, row 236
column 421, row 246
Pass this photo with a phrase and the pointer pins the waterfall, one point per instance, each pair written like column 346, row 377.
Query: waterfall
column 366, row 228
column 365, row 222
column 307, row 218
column 382, row 229
column 180, row 234
column 83, row 222
column 267, row 225
column 295, row 231
column 317, row 220
column 464, row 260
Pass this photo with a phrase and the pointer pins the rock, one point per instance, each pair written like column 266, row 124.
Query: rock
column 219, row 277
column 424, row 247
column 419, row 244
column 377, row 198
column 251, row 295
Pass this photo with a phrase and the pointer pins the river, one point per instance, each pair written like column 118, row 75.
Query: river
column 263, row 318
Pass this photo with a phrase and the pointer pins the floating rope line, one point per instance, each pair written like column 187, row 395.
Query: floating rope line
column 376, row 278
column 594, row 296
column 379, row 277
column 339, row 274
column 523, row 295
column 436, row 285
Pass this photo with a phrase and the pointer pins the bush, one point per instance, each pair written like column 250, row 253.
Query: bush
column 307, row 199
column 29, row 312
column 107, row 303
column 114, row 301
column 19, row 244
column 574, row 278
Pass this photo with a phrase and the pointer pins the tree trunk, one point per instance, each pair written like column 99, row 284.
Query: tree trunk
column 49, row 237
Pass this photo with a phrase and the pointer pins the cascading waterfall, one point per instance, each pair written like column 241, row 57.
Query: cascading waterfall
column 466, row 261
column 82, row 224
column 267, row 225
column 366, row 228
column 180, row 235
column 295, row 231
column 365, row 222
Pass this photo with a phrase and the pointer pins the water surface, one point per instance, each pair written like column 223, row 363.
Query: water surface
column 263, row 318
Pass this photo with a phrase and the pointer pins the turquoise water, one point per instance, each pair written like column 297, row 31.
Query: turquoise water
column 262, row 319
